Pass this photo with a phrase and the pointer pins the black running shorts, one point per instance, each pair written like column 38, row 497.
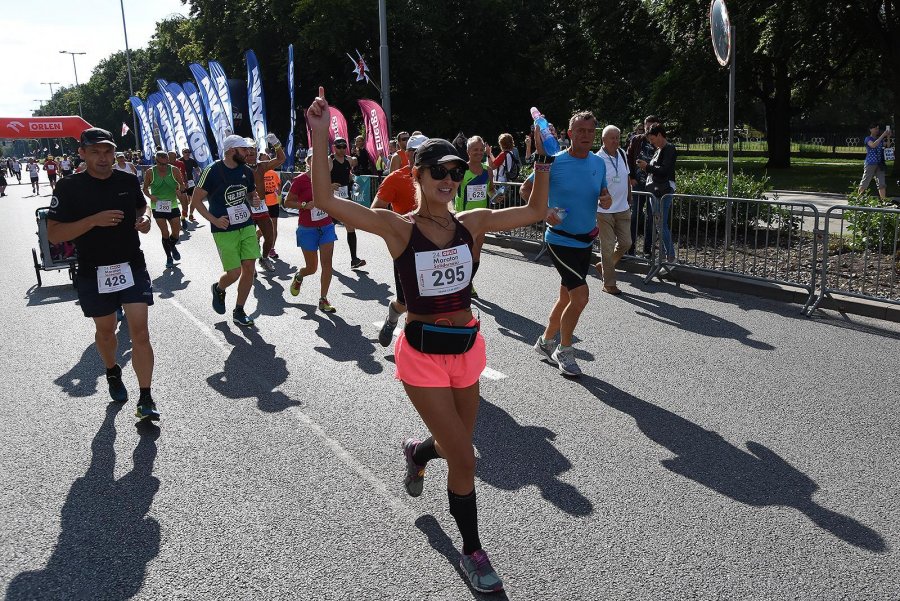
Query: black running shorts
column 572, row 263
column 94, row 304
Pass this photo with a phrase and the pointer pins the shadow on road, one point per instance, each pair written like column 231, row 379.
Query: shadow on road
column 512, row 456
column 693, row 320
column 252, row 370
column 171, row 281
column 81, row 380
column 520, row 328
column 364, row 288
column 759, row 478
column 346, row 343
column 107, row 540
column 441, row 543
column 50, row 295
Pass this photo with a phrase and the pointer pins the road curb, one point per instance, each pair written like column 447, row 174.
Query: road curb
column 731, row 283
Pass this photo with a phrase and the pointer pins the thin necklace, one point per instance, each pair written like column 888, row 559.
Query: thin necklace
column 435, row 220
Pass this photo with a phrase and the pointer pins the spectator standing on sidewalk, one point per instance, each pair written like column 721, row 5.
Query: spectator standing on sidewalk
column 614, row 223
column 661, row 181
column 875, row 165
column 641, row 148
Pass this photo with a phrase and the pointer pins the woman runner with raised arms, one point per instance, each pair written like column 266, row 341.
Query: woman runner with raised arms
column 440, row 354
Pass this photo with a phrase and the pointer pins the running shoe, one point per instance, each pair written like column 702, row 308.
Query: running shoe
column 544, row 348
column 117, row 391
column 273, row 254
column 146, row 409
column 325, row 306
column 266, row 263
column 481, row 574
column 415, row 474
column 357, row 263
column 296, row 283
column 183, row 223
column 218, row 301
column 566, row 361
column 192, row 219
column 170, row 263
column 386, row 333
column 175, row 254
column 240, row 318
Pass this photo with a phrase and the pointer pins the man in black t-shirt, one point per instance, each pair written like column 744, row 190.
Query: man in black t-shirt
column 191, row 175
column 341, row 182
column 102, row 210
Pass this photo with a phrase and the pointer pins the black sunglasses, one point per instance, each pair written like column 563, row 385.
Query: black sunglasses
column 403, row 139
column 340, row 146
column 439, row 172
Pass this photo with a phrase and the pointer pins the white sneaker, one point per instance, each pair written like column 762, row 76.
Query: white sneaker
column 565, row 359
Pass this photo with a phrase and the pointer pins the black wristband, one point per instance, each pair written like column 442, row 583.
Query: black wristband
column 544, row 159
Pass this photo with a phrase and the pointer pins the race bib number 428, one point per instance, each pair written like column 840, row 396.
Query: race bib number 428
column 443, row 271
column 112, row 278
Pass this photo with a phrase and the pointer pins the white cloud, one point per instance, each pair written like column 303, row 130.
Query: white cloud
column 33, row 37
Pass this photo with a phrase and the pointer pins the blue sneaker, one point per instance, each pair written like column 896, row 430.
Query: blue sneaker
column 146, row 409
column 240, row 318
column 218, row 301
column 482, row 577
column 415, row 473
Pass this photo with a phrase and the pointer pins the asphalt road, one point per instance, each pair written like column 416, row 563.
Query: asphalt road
column 719, row 446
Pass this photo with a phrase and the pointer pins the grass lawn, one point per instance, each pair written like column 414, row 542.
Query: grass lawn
column 812, row 175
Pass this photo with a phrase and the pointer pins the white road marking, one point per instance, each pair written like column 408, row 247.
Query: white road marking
column 305, row 420
column 492, row 374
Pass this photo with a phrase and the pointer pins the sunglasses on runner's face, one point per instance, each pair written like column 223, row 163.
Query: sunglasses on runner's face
column 439, row 172
column 340, row 146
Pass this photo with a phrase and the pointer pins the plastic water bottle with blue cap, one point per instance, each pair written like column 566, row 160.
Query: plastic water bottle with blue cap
column 551, row 146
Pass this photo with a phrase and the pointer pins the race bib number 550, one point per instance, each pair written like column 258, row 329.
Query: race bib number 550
column 443, row 271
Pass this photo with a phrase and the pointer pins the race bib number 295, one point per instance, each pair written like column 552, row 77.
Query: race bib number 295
column 443, row 271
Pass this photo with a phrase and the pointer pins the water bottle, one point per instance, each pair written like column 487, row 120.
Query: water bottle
column 551, row 146
column 561, row 213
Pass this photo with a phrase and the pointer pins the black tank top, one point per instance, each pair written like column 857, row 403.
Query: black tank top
column 436, row 280
column 340, row 172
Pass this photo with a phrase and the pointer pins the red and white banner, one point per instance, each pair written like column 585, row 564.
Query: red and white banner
column 377, row 136
column 338, row 126
column 42, row 127
column 125, row 129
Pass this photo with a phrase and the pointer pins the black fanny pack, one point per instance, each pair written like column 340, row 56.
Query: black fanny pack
column 436, row 339
column 588, row 237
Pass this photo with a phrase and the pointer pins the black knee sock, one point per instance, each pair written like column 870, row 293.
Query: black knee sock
column 351, row 242
column 465, row 511
column 173, row 239
column 145, row 395
column 115, row 370
column 166, row 242
column 425, row 451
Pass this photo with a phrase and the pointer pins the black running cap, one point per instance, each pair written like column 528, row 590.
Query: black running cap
column 436, row 151
column 95, row 135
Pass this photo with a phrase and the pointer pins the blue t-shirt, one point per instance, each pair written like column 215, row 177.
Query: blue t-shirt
column 575, row 186
column 874, row 156
column 228, row 193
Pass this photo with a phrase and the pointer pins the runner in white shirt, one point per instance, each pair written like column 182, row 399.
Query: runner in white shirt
column 34, row 170
column 66, row 166
column 122, row 165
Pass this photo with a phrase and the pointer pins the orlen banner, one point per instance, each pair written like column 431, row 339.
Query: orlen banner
column 42, row 127
column 376, row 129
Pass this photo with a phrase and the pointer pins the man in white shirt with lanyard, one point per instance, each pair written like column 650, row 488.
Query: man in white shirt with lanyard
column 614, row 223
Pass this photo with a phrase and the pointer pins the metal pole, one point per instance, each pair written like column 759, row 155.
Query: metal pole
column 385, row 67
column 130, row 86
column 59, row 141
column 731, row 85
column 77, row 87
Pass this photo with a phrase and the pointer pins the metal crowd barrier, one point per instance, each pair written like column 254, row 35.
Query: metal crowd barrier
column 865, row 262
column 763, row 240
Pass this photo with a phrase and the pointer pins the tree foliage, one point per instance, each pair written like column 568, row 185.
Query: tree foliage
column 477, row 66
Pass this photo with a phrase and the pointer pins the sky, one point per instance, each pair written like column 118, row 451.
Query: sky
column 33, row 35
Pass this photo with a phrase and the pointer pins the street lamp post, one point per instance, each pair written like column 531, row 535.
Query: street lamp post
column 130, row 85
column 385, row 68
column 80, row 113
